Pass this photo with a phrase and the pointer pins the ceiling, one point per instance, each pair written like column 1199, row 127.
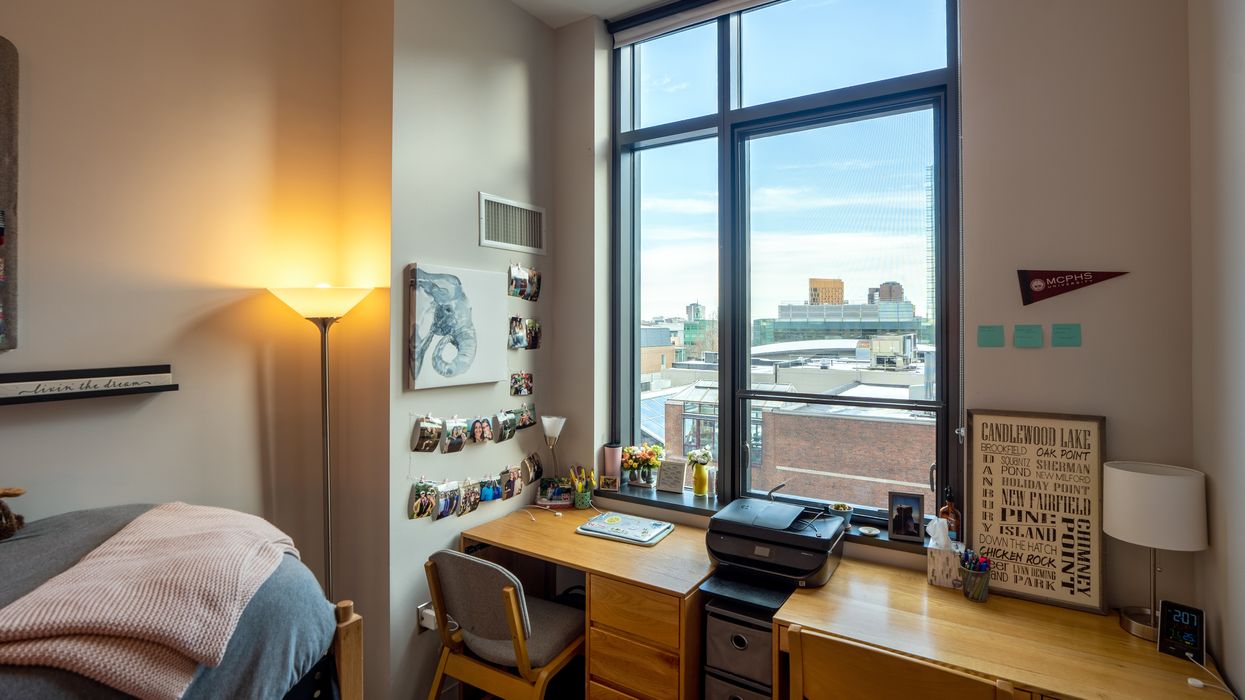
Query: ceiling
column 559, row 13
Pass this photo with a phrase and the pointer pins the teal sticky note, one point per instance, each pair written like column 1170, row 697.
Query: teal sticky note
column 990, row 336
column 1027, row 336
column 1065, row 335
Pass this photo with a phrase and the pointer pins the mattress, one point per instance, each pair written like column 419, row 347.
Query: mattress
column 287, row 627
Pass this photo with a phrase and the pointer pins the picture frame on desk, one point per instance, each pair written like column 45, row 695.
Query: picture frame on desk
column 608, row 483
column 906, row 516
column 671, row 476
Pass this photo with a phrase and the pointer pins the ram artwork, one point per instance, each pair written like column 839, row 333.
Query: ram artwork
column 456, row 326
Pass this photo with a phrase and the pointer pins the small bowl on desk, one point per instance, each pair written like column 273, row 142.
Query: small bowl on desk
column 843, row 511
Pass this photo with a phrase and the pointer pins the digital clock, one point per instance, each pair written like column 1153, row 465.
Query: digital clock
column 1182, row 630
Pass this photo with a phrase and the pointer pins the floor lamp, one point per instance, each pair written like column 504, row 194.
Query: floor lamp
column 323, row 305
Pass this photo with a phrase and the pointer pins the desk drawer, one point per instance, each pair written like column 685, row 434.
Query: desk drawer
column 638, row 667
column 596, row 691
column 637, row 611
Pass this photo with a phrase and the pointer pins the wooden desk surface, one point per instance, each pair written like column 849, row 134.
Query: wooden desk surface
column 1037, row 647
column 677, row 564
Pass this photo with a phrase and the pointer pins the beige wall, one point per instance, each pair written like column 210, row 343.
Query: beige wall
column 361, row 343
column 1217, row 113
column 1075, row 156
column 472, row 110
column 176, row 158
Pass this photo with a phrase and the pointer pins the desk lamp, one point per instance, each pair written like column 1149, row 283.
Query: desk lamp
column 552, row 425
column 1157, row 506
column 323, row 305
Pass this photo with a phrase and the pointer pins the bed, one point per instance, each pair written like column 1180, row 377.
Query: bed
column 289, row 642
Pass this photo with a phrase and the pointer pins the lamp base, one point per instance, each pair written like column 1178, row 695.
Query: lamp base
column 1136, row 621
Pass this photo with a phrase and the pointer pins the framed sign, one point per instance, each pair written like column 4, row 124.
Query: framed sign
column 1035, row 504
column 671, row 476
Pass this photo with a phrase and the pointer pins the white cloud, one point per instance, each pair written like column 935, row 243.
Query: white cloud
column 679, row 205
column 839, row 165
column 785, row 199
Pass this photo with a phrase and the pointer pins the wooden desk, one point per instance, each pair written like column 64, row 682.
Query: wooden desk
column 644, row 610
column 1043, row 650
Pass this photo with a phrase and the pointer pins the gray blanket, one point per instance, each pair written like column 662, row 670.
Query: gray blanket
column 285, row 630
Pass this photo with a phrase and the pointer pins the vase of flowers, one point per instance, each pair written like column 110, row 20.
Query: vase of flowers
column 699, row 460
column 640, row 461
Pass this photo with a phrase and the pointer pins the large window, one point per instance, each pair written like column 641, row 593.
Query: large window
column 788, row 232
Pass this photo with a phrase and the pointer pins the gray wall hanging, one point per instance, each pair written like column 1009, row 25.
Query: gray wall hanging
column 8, row 195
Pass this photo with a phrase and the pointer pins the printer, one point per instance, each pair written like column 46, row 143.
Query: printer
column 800, row 545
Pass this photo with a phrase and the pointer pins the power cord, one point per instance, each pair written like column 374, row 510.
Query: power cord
column 556, row 513
column 1198, row 683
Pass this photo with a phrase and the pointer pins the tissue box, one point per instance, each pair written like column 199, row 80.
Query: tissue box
column 942, row 565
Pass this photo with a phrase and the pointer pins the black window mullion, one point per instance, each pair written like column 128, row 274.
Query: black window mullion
column 729, row 449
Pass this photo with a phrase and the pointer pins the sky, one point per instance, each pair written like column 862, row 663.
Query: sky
column 845, row 200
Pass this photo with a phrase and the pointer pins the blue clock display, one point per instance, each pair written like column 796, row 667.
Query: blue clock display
column 1182, row 630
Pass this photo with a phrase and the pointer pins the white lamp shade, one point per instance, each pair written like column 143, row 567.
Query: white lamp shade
column 552, row 426
column 1154, row 505
column 321, row 301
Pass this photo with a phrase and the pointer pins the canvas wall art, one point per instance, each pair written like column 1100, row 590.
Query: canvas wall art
column 456, row 326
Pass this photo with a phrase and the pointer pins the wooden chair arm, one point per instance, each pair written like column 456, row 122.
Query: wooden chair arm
column 348, row 651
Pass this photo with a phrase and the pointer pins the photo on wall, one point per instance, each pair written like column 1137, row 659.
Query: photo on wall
column 455, row 435
column 521, row 384
column 453, row 326
column 482, row 430
column 427, row 434
column 524, row 283
column 490, row 489
column 423, row 500
column 505, row 423
column 448, row 498
column 532, row 468
column 470, row 498
column 526, row 415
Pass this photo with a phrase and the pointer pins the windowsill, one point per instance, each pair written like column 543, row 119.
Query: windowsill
column 683, row 502
column 687, row 503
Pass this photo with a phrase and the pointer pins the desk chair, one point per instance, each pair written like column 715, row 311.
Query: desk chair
column 495, row 628
column 826, row 668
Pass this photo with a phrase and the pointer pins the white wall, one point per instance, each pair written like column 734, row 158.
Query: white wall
column 1075, row 156
column 472, row 110
column 1217, row 113
column 582, row 155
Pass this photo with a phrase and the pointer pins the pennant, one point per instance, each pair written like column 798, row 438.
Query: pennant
column 1037, row 285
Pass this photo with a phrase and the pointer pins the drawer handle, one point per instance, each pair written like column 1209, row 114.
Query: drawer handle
column 739, row 641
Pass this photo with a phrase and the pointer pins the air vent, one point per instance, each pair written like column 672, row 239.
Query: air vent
column 511, row 225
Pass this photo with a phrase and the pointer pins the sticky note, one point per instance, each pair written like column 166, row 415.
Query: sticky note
column 990, row 336
column 1065, row 335
column 1027, row 336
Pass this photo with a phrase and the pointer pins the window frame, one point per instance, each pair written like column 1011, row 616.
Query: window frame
column 732, row 125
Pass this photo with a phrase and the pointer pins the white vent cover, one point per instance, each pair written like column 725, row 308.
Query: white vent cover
column 511, row 225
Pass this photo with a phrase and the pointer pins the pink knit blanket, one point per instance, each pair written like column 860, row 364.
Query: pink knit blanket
column 143, row 610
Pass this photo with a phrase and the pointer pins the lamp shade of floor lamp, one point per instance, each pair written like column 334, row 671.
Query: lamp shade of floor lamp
column 552, row 425
column 323, row 306
column 1156, row 506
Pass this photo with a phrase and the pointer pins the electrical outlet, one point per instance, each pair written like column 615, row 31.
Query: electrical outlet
column 427, row 617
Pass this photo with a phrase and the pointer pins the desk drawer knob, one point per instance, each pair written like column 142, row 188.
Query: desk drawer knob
column 739, row 641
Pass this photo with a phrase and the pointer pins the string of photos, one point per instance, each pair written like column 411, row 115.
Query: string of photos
column 430, row 499
column 453, row 434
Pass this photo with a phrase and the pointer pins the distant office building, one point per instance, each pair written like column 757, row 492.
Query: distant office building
column 831, row 321
column 873, row 294
column 657, row 349
column 695, row 311
column 890, row 291
column 825, row 291
column 700, row 336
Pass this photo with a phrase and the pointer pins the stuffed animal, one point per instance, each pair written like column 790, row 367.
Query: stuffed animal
column 10, row 522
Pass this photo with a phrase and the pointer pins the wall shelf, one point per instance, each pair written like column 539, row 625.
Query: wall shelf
column 68, row 385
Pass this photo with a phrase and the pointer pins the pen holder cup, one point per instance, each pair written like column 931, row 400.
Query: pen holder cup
column 976, row 584
column 583, row 500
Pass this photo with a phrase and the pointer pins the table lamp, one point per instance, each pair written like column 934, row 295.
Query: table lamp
column 323, row 305
column 1156, row 506
column 552, row 425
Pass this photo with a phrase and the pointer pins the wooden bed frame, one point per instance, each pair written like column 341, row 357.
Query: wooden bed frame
column 348, row 651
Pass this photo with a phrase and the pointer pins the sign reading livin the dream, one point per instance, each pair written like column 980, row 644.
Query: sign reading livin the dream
column 34, row 387
column 1035, row 504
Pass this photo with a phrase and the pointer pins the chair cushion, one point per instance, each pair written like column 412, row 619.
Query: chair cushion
column 554, row 627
